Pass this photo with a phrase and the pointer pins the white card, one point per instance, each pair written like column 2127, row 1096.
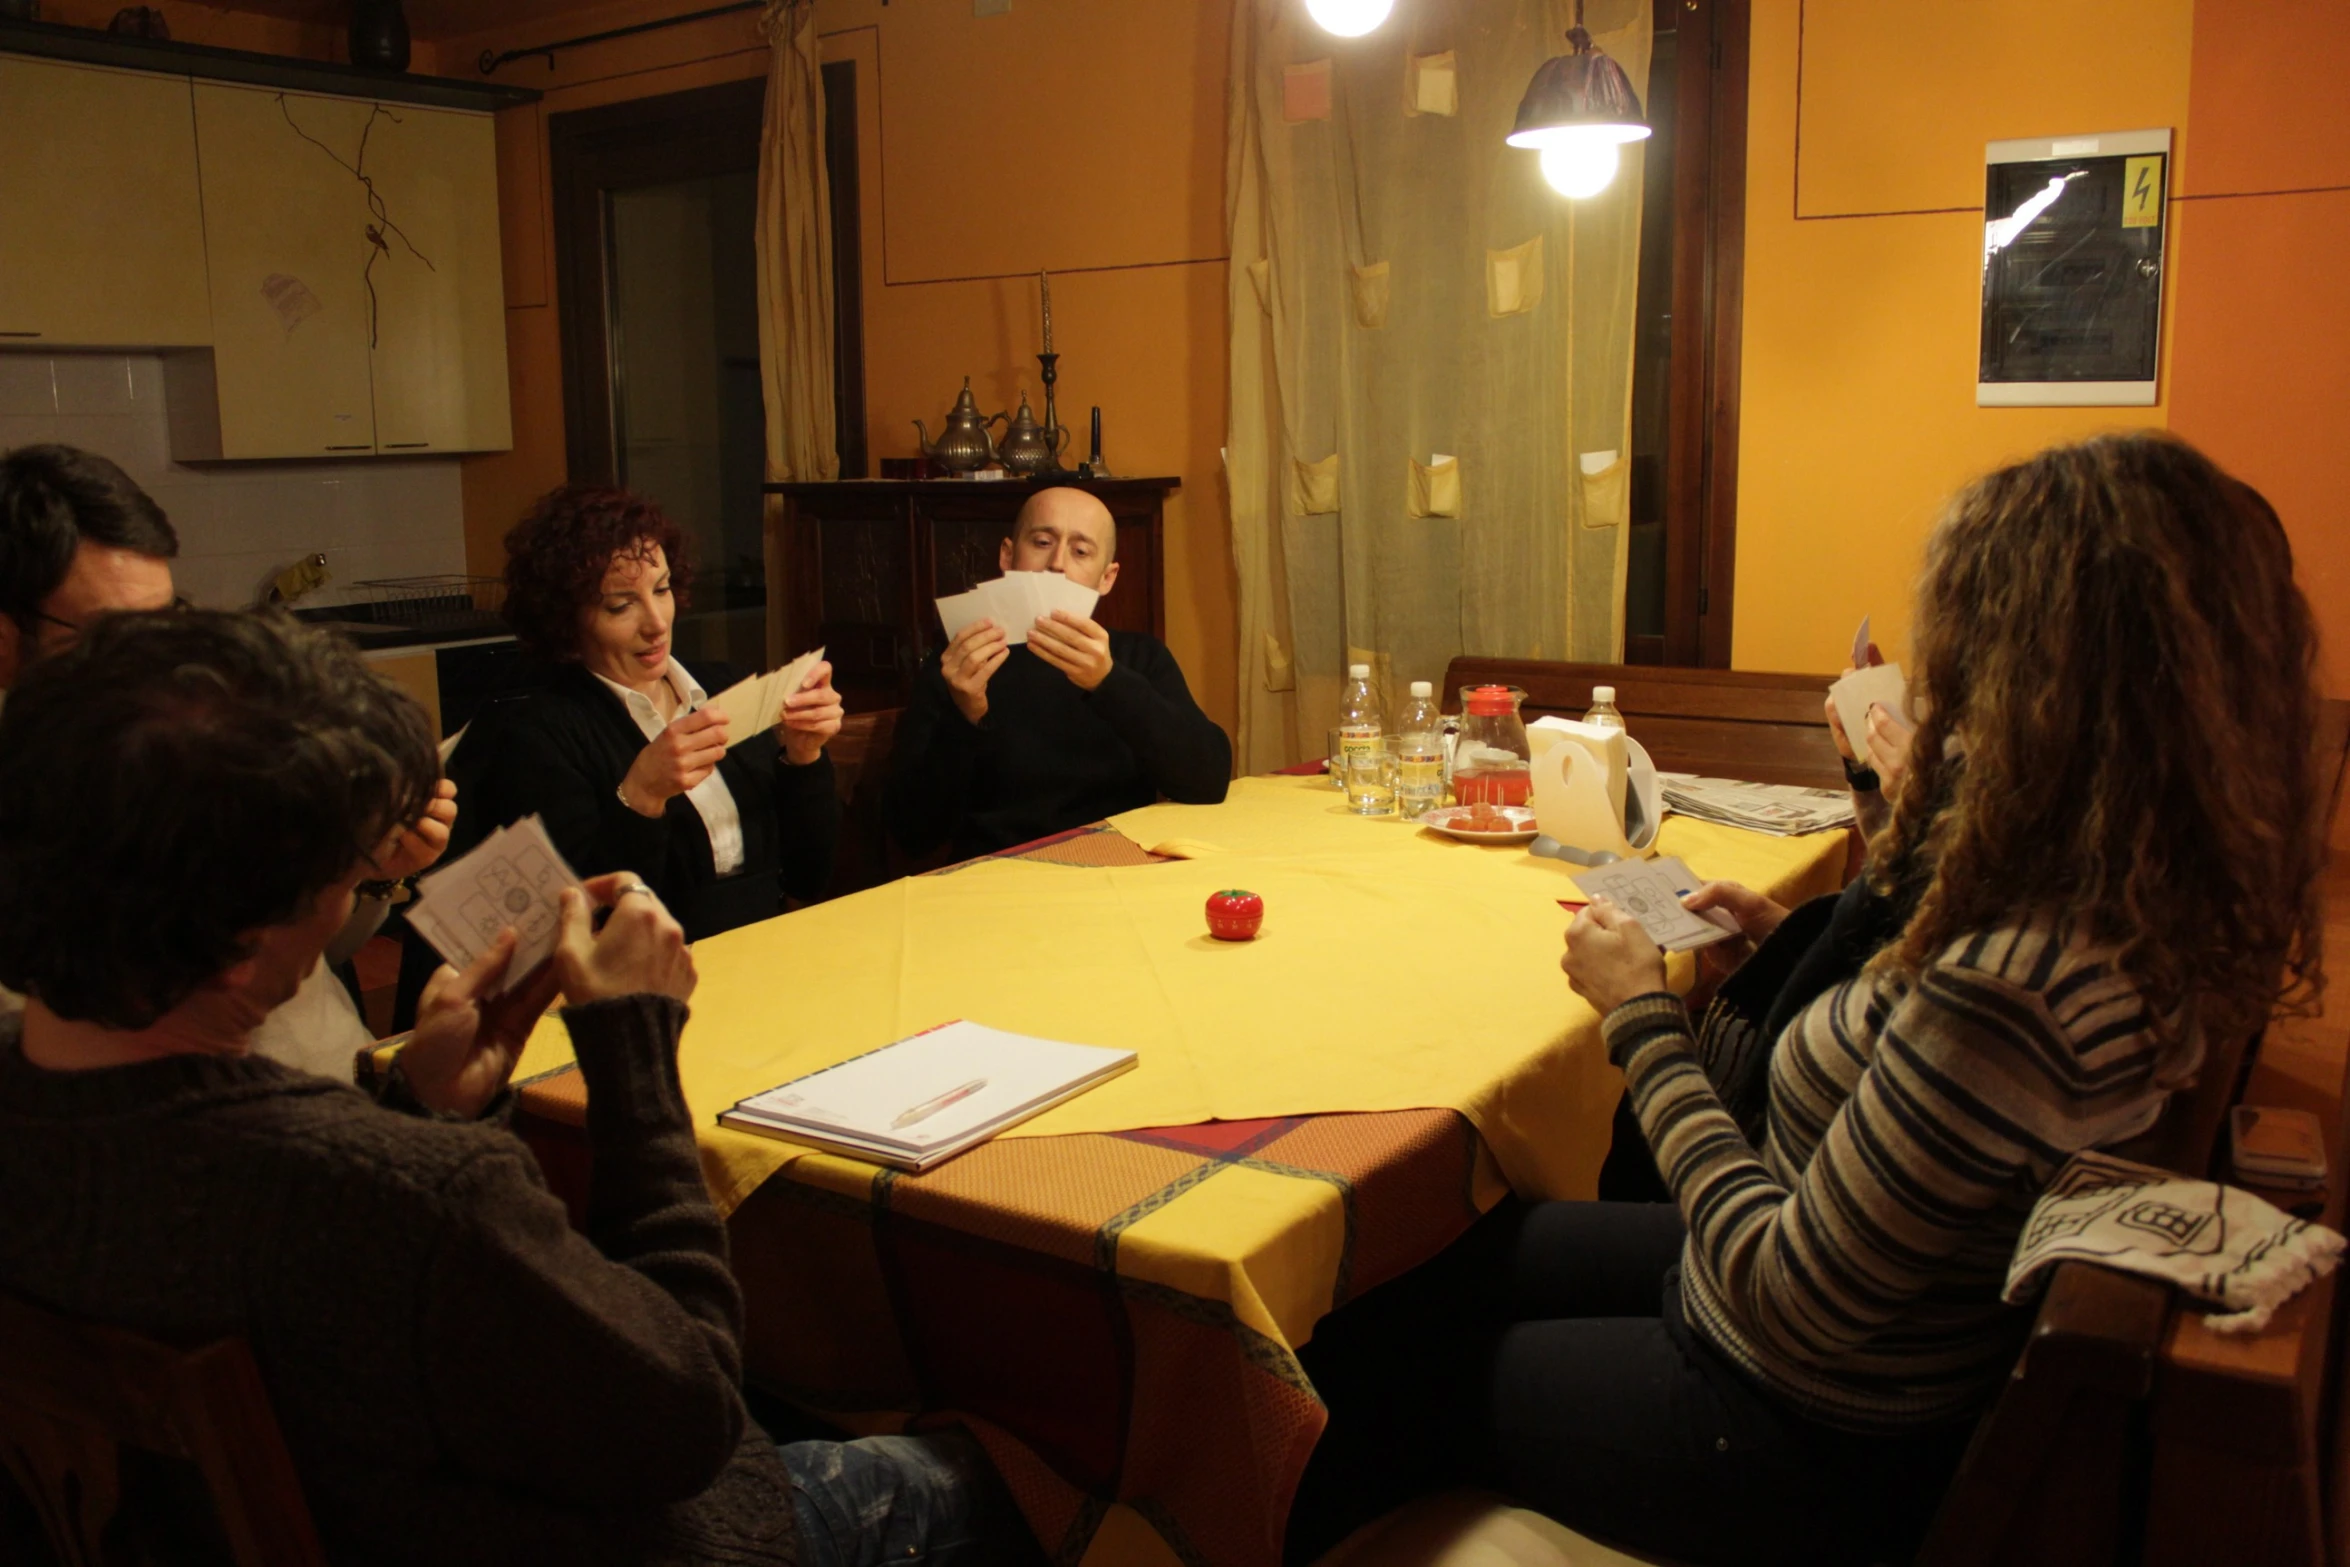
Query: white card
column 1855, row 693
column 514, row 878
column 1860, row 645
column 756, row 704
column 1650, row 891
column 957, row 610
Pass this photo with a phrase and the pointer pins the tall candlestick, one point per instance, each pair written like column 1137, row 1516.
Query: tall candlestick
column 1044, row 283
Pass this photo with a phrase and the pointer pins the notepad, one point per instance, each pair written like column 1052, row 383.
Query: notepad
column 1015, row 601
column 925, row 1099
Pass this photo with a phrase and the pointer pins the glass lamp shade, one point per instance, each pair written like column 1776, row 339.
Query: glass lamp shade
column 1577, row 98
column 1349, row 18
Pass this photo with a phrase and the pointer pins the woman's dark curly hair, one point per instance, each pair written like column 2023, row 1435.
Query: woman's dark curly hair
column 174, row 783
column 557, row 556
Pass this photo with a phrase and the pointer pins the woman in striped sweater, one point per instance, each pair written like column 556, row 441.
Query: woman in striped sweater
column 2112, row 815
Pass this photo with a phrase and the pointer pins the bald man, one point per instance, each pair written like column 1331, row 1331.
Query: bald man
column 1003, row 743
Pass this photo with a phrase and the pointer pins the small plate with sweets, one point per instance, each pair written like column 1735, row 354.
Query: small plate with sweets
column 1483, row 823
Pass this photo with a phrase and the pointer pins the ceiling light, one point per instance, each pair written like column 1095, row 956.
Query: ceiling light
column 1578, row 104
column 1349, row 18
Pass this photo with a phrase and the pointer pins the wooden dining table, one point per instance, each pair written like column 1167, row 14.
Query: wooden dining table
column 1111, row 1296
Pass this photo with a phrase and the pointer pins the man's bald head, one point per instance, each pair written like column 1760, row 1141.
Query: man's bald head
column 1065, row 530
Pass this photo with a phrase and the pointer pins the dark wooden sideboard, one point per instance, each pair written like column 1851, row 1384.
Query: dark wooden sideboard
column 864, row 559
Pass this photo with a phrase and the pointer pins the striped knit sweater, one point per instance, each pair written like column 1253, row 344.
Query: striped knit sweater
column 1854, row 1265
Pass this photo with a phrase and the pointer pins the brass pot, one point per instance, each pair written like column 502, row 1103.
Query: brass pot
column 1028, row 447
column 965, row 445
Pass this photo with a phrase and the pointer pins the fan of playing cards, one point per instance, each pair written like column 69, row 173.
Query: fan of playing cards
column 515, row 878
column 757, row 703
column 1015, row 601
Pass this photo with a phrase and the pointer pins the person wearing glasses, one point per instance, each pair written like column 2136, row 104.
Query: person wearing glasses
column 79, row 540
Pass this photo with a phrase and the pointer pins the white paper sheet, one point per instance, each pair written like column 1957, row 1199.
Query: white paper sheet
column 1650, row 891
column 1855, row 693
column 756, row 704
column 515, row 877
column 1016, row 601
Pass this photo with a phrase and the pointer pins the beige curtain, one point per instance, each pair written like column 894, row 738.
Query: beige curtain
column 1431, row 357
column 795, row 278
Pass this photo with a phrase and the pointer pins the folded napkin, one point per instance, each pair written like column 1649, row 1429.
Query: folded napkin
column 2220, row 1244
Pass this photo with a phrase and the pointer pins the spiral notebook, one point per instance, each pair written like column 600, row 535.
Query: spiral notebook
column 917, row 1103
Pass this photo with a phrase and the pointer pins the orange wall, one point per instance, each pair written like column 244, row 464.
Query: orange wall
column 1082, row 139
column 1857, row 413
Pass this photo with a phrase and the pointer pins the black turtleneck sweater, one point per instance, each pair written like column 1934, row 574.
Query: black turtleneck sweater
column 1048, row 757
column 460, row 1376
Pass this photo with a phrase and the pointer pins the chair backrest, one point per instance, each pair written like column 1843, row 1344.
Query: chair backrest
column 2055, row 1471
column 74, row 1394
column 1769, row 728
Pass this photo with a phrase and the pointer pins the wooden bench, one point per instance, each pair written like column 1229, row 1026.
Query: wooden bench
column 1720, row 723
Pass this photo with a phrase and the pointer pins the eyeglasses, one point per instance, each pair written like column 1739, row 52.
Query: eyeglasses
column 76, row 627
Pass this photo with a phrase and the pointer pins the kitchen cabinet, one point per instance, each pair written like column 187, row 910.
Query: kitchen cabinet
column 101, row 232
column 357, row 303
column 439, row 361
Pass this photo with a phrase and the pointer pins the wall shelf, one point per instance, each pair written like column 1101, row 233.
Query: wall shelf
column 89, row 46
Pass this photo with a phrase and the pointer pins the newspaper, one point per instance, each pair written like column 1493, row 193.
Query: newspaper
column 1782, row 810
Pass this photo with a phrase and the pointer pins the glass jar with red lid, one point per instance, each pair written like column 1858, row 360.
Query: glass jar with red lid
column 1489, row 760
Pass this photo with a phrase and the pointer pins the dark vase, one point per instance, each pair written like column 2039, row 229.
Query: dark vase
column 379, row 35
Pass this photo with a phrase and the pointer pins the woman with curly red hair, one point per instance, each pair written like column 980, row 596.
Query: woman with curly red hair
column 620, row 755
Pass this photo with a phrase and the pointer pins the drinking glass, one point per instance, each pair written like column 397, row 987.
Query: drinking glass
column 1370, row 781
column 1337, row 758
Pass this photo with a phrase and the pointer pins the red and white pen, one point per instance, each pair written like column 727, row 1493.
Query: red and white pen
column 930, row 1107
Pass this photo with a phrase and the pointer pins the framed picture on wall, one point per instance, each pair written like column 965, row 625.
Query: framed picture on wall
column 2073, row 229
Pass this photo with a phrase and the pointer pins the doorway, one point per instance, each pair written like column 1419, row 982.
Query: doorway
column 1683, row 546
column 656, row 208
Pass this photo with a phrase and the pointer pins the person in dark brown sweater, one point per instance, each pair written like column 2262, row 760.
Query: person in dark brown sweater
column 185, row 802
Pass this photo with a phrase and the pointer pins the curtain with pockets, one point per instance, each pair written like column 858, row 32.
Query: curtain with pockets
column 1431, row 357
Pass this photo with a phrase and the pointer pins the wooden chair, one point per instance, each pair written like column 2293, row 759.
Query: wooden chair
column 1718, row 722
column 73, row 1395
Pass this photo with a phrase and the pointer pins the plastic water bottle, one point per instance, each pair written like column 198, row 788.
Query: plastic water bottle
column 1360, row 722
column 1603, row 709
column 1419, row 783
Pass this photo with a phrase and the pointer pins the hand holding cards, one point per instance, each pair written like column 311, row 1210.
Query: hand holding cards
column 1016, row 601
column 1866, row 685
column 756, row 704
column 514, row 879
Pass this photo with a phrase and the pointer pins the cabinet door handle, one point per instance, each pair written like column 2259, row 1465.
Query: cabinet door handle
column 363, row 446
column 406, row 446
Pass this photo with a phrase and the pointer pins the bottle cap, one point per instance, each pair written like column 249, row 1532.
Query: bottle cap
column 1491, row 702
column 1605, row 694
column 1423, row 688
column 1358, row 671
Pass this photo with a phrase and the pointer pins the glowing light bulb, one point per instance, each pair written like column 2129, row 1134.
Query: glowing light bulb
column 1581, row 167
column 1349, row 18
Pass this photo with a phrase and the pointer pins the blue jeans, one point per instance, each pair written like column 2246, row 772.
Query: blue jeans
column 932, row 1500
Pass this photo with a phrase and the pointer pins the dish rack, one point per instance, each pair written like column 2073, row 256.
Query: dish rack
column 450, row 599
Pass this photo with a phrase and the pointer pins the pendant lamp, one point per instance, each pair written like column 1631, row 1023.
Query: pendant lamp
column 1579, row 109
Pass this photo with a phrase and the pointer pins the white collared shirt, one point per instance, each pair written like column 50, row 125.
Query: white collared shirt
column 710, row 797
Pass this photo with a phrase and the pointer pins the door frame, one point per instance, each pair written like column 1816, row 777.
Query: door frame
column 693, row 134
column 1709, row 271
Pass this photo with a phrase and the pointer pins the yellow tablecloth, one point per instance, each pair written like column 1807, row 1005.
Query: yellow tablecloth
column 1397, row 969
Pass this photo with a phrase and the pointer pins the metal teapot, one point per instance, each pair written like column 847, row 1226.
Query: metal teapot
column 965, row 445
column 1028, row 447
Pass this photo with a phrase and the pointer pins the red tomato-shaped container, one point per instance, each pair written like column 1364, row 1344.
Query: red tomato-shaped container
column 1234, row 915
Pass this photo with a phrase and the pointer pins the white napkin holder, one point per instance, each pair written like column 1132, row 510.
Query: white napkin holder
column 1596, row 796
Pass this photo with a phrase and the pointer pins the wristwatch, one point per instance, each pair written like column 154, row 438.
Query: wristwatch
column 1863, row 779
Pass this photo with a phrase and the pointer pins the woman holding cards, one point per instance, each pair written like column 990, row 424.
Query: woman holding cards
column 622, row 756
column 2102, row 854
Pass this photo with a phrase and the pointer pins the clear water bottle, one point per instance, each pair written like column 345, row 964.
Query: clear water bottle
column 1360, row 720
column 1603, row 709
column 1419, row 762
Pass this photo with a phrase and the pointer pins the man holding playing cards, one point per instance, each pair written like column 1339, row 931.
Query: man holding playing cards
column 1005, row 742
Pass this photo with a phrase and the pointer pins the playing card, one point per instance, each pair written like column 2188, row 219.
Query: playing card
column 957, row 610
column 1855, row 693
column 1860, row 645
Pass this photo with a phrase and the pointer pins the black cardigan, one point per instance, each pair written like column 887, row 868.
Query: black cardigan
column 564, row 754
column 1048, row 757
